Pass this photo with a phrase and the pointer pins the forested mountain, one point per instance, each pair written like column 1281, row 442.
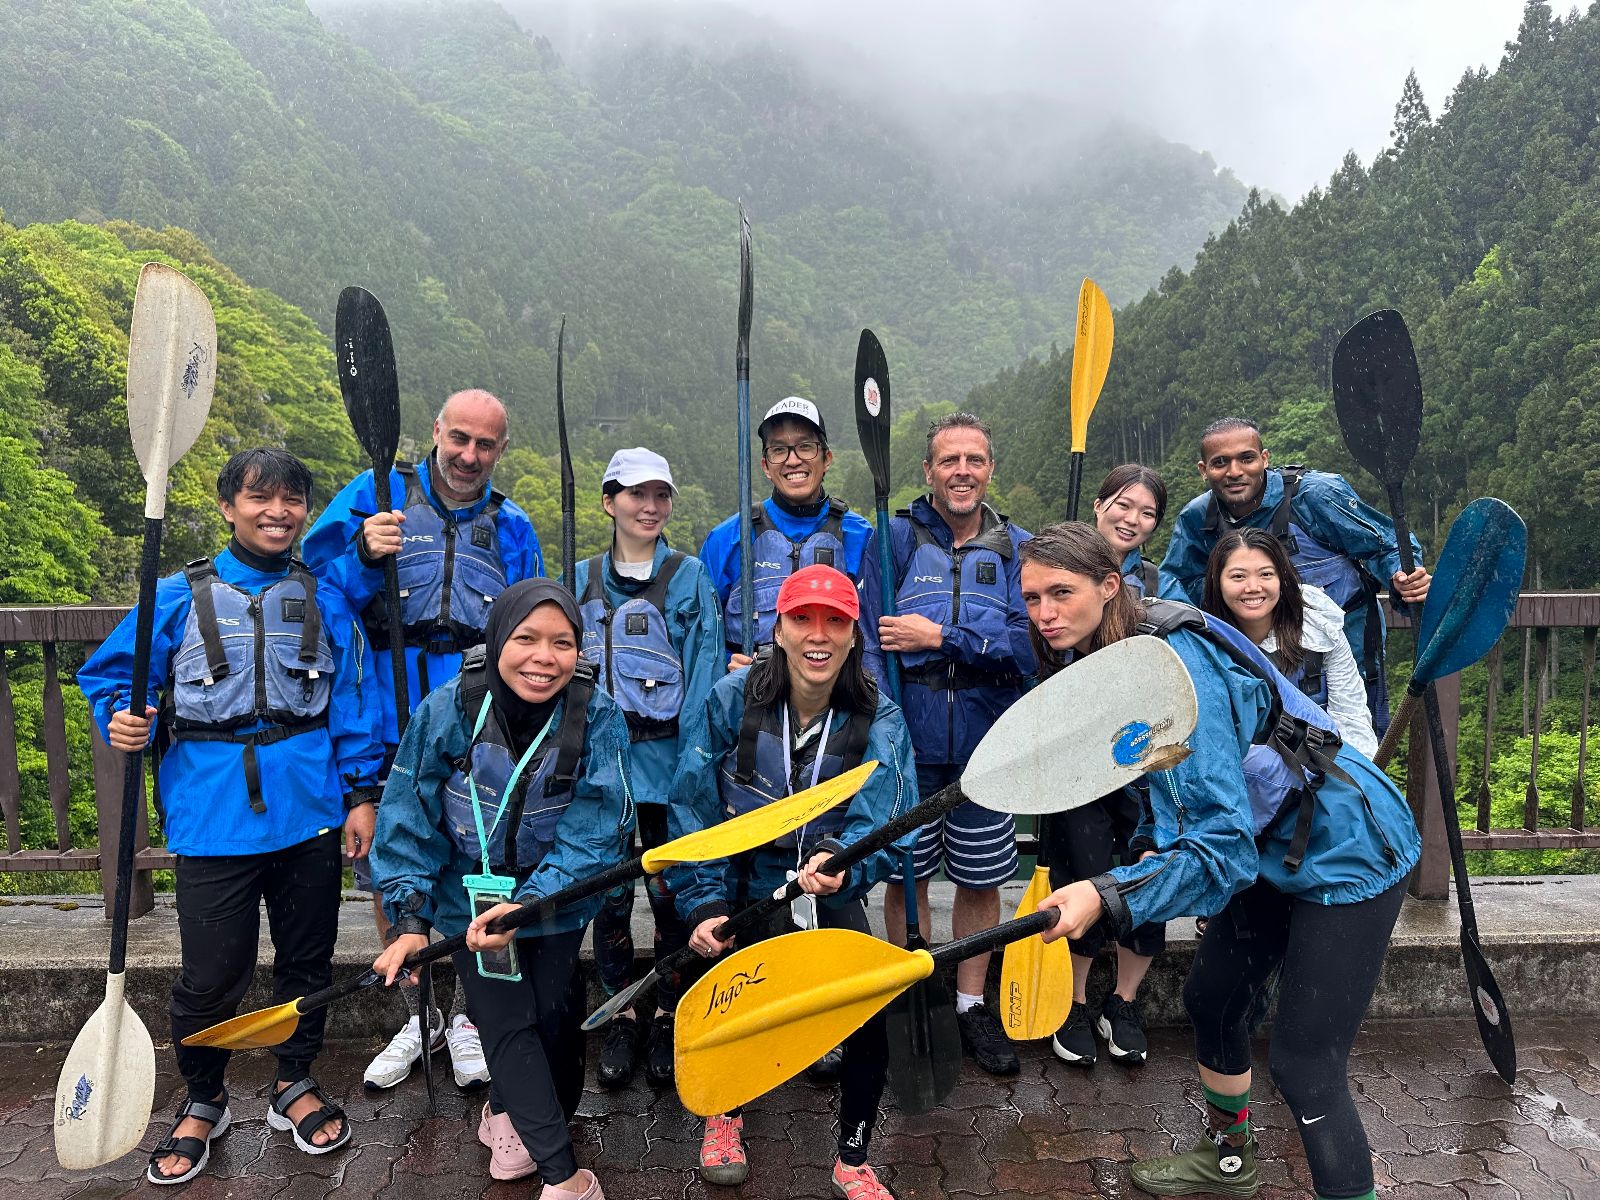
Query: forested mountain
column 1482, row 226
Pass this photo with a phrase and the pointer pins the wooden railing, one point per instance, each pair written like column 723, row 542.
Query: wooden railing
column 39, row 639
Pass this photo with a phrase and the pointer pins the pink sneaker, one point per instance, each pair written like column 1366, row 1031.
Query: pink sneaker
column 858, row 1183
column 509, row 1158
column 592, row 1192
column 722, row 1158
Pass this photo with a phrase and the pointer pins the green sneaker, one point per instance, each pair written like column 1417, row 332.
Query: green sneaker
column 1221, row 1169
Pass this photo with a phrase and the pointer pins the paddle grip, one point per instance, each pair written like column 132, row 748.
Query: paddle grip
column 133, row 766
column 891, row 660
column 1074, row 483
column 393, row 617
column 1001, row 935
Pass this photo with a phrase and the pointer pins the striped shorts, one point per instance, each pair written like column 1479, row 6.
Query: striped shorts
column 976, row 847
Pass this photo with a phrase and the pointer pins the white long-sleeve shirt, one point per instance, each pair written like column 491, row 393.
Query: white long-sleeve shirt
column 1323, row 631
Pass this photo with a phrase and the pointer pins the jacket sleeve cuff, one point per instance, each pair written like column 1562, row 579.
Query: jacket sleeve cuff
column 365, row 559
column 410, row 923
column 829, row 846
column 1139, row 845
column 1116, row 908
column 357, row 796
column 711, row 908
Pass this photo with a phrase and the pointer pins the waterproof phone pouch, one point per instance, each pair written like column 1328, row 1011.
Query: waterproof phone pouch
column 803, row 908
column 484, row 892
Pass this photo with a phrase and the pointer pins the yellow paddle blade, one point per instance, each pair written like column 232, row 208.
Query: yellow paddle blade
column 763, row 825
column 1091, row 359
column 252, row 1030
column 766, row 1013
column 1035, row 979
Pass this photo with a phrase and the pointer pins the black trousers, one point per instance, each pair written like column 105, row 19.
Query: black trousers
column 219, row 926
column 1089, row 841
column 532, row 1040
column 1331, row 956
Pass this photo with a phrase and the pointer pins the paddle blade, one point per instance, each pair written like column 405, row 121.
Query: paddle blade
column 172, row 372
column 872, row 411
column 924, row 1046
column 1035, row 978
column 251, row 1031
column 763, row 825
column 1086, row 731
column 763, row 1015
column 1489, row 1007
column 367, row 380
column 107, row 1085
column 1475, row 588
column 1377, row 395
column 747, row 292
column 1091, row 359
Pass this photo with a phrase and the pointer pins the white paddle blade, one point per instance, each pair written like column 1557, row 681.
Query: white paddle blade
column 172, row 372
column 107, row 1086
column 1086, row 731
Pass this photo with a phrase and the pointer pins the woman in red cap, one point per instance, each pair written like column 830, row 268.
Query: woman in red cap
column 805, row 711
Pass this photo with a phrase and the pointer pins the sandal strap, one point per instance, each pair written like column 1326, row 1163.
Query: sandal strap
column 191, row 1148
column 311, row 1122
column 282, row 1100
column 203, row 1110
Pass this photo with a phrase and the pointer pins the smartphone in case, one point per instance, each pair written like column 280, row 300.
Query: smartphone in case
column 494, row 964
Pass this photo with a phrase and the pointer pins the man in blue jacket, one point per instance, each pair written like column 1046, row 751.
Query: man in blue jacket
column 796, row 526
column 1337, row 542
column 253, row 676
column 458, row 544
column 962, row 638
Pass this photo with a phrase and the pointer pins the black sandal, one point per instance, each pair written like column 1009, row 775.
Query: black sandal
column 305, row 1130
column 196, row 1149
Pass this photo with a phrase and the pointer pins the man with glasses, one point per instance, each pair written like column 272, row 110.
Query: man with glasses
column 796, row 526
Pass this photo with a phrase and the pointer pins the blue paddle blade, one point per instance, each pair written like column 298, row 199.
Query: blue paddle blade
column 1474, row 591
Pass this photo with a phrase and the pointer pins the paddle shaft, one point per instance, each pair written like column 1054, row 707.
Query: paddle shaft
column 891, row 660
column 741, row 370
column 569, row 503
column 393, row 617
column 993, row 939
column 1074, row 483
column 1403, row 716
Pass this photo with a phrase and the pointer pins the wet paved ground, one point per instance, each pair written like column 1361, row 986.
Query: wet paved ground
column 1442, row 1126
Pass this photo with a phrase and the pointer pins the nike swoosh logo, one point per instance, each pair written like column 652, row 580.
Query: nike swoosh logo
column 1311, row 1120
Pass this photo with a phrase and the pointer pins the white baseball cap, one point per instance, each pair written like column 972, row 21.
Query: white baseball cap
column 638, row 465
column 793, row 406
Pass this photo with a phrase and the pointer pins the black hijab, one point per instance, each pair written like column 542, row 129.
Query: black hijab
column 521, row 719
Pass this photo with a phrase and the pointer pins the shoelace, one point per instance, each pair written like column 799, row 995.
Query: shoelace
column 723, row 1142
column 860, row 1183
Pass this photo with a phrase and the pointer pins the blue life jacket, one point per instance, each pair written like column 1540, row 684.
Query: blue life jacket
column 450, row 573
column 1144, row 579
column 1294, row 750
column 1309, row 676
column 777, row 557
column 965, row 586
column 261, row 660
column 632, row 651
column 527, row 829
column 753, row 774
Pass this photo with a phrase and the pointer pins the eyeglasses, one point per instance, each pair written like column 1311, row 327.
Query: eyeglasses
column 777, row 452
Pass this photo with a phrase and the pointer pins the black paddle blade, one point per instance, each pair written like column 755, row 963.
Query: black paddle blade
column 924, row 1046
column 365, row 354
column 569, row 504
column 1489, row 1006
column 872, row 411
column 747, row 290
column 1377, row 395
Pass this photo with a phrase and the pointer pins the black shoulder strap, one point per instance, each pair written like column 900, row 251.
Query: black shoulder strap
column 855, row 740
column 1280, row 518
column 200, row 573
column 496, row 499
column 1311, row 679
column 311, row 630
column 922, row 534
column 744, row 751
column 1151, row 575
column 475, row 679
column 656, row 592
column 758, row 518
column 414, row 493
column 835, row 521
column 574, row 724
column 595, row 589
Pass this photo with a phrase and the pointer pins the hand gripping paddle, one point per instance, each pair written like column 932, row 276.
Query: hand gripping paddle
column 107, row 1084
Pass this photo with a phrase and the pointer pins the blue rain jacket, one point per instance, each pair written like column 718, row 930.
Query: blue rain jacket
column 694, row 626
column 330, row 551
column 712, row 889
column 1200, row 821
column 417, row 866
column 1133, row 572
column 1325, row 506
column 205, row 806
column 946, row 726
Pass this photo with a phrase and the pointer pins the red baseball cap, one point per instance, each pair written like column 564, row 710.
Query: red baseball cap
column 817, row 584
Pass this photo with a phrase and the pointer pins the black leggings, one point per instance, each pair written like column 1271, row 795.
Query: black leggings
column 1084, row 842
column 534, row 1047
column 1331, row 956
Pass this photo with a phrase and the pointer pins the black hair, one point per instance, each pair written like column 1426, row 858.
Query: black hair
column 612, row 487
column 1120, row 479
column 767, row 426
column 265, row 468
column 959, row 420
column 1288, row 614
column 1228, row 425
column 853, row 691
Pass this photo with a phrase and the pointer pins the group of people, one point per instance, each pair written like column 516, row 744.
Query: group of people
column 548, row 728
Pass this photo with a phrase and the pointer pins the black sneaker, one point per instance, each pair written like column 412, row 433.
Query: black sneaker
column 1119, row 1024
column 825, row 1071
column 982, row 1037
column 658, row 1053
column 1074, row 1042
column 619, row 1049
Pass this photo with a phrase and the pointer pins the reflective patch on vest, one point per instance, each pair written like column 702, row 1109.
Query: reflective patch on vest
column 294, row 610
column 824, row 557
column 987, row 574
column 481, row 538
column 637, row 625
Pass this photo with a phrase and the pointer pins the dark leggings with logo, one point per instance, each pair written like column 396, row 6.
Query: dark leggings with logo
column 1331, row 956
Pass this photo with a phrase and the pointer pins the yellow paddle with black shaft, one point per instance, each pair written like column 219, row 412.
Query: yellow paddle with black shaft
column 272, row 1026
column 1033, row 968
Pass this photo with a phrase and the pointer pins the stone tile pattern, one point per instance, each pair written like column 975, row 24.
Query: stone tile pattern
column 1442, row 1125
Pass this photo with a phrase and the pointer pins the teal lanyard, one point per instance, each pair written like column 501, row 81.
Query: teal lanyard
column 511, row 784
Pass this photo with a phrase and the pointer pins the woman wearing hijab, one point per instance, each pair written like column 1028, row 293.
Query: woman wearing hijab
column 510, row 783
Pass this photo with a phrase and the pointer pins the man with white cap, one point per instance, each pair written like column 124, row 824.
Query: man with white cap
column 797, row 526
column 652, row 625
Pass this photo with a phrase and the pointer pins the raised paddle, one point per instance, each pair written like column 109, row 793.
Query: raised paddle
column 873, row 424
column 569, row 504
column 1091, row 359
column 759, row 1017
column 107, row 1083
column 371, row 391
column 741, row 372
column 270, row 1026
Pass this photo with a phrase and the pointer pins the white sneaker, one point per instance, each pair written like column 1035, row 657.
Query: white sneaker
column 466, row 1053
column 396, row 1059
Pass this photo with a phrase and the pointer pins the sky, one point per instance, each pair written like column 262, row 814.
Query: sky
column 1277, row 90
